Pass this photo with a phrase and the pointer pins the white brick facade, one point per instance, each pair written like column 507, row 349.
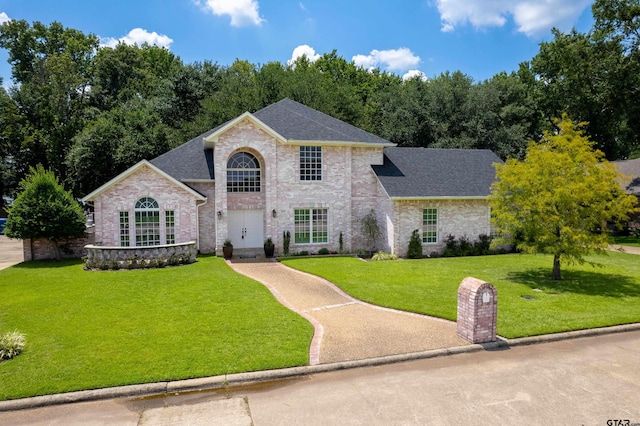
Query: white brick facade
column 349, row 190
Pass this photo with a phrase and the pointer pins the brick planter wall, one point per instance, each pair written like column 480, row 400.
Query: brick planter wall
column 42, row 249
column 104, row 258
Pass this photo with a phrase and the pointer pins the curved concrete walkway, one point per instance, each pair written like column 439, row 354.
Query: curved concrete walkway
column 346, row 328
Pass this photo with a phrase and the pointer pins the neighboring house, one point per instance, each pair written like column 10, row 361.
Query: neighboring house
column 291, row 168
column 631, row 170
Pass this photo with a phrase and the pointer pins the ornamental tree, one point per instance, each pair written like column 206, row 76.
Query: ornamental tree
column 559, row 199
column 44, row 209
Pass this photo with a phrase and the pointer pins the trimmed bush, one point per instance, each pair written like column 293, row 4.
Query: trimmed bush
column 11, row 344
column 415, row 246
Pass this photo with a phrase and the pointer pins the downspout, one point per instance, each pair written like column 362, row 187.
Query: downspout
column 198, row 223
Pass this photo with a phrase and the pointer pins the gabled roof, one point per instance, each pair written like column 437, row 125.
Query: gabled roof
column 133, row 169
column 423, row 173
column 190, row 161
column 630, row 168
column 296, row 122
column 287, row 121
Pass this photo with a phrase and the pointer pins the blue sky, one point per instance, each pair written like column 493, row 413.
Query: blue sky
column 406, row 37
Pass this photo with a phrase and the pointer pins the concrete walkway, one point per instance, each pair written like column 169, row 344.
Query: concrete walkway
column 10, row 252
column 346, row 328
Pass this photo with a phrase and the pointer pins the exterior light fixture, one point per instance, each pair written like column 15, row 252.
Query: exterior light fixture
column 219, row 214
column 274, row 213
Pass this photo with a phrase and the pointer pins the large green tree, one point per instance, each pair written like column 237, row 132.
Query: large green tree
column 51, row 69
column 44, row 209
column 559, row 199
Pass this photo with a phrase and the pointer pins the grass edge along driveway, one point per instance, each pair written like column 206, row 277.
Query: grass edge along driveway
column 88, row 330
column 529, row 302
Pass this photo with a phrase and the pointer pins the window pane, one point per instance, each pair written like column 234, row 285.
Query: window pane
column 124, row 229
column 310, row 163
column 147, row 222
column 319, row 226
column 302, row 226
column 430, row 226
column 243, row 173
column 170, row 227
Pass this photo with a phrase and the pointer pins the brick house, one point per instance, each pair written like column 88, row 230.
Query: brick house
column 291, row 168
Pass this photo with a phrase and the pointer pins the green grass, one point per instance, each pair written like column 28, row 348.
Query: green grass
column 627, row 241
column 587, row 297
column 87, row 330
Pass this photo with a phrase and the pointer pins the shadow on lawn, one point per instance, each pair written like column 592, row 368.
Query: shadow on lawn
column 580, row 282
column 40, row 264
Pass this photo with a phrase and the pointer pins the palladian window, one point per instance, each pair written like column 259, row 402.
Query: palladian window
column 147, row 222
column 243, row 173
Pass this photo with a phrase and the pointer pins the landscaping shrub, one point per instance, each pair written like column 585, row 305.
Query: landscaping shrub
column 323, row 251
column 11, row 344
column 381, row 255
column 415, row 246
column 286, row 240
column 463, row 247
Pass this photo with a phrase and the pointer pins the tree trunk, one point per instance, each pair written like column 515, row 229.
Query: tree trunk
column 56, row 249
column 555, row 275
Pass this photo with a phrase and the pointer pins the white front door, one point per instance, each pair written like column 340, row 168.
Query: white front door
column 246, row 228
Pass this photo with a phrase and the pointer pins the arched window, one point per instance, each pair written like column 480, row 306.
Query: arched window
column 243, row 173
column 147, row 222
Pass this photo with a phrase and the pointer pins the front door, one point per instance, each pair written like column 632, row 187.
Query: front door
column 246, row 228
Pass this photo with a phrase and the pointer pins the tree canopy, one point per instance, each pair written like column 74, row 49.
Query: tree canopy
column 88, row 112
column 44, row 209
column 560, row 198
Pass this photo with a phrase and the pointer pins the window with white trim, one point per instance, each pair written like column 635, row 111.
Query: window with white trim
column 124, row 229
column 311, row 226
column 429, row 226
column 243, row 173
column 310, row 163
column 147, row 227
column 170, row 226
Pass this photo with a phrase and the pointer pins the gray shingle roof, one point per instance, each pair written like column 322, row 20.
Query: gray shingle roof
column 292, row 120
column 189, row 161
column 430, row 172
column 630, row 168
column 295, row 121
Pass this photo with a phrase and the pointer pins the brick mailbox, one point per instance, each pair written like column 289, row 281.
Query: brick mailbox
column 477, row 311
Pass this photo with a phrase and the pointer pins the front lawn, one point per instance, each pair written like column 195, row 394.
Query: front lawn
column 627, row 241
column 587, row 297
column 88, row 330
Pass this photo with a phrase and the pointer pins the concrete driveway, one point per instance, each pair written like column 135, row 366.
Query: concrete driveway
column 10, row 252
column 346, row 328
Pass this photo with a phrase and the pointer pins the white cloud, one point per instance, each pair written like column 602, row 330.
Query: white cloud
column 243, row 13
column 413, row 74
column 533, row 17
column 393, row 60
column 303, row 49
column 4, row 18
column 138, row 36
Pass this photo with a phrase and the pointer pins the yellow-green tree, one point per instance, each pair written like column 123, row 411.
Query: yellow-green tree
column 559, row 199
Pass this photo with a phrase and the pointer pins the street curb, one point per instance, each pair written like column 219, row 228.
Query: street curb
column 241, row 379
